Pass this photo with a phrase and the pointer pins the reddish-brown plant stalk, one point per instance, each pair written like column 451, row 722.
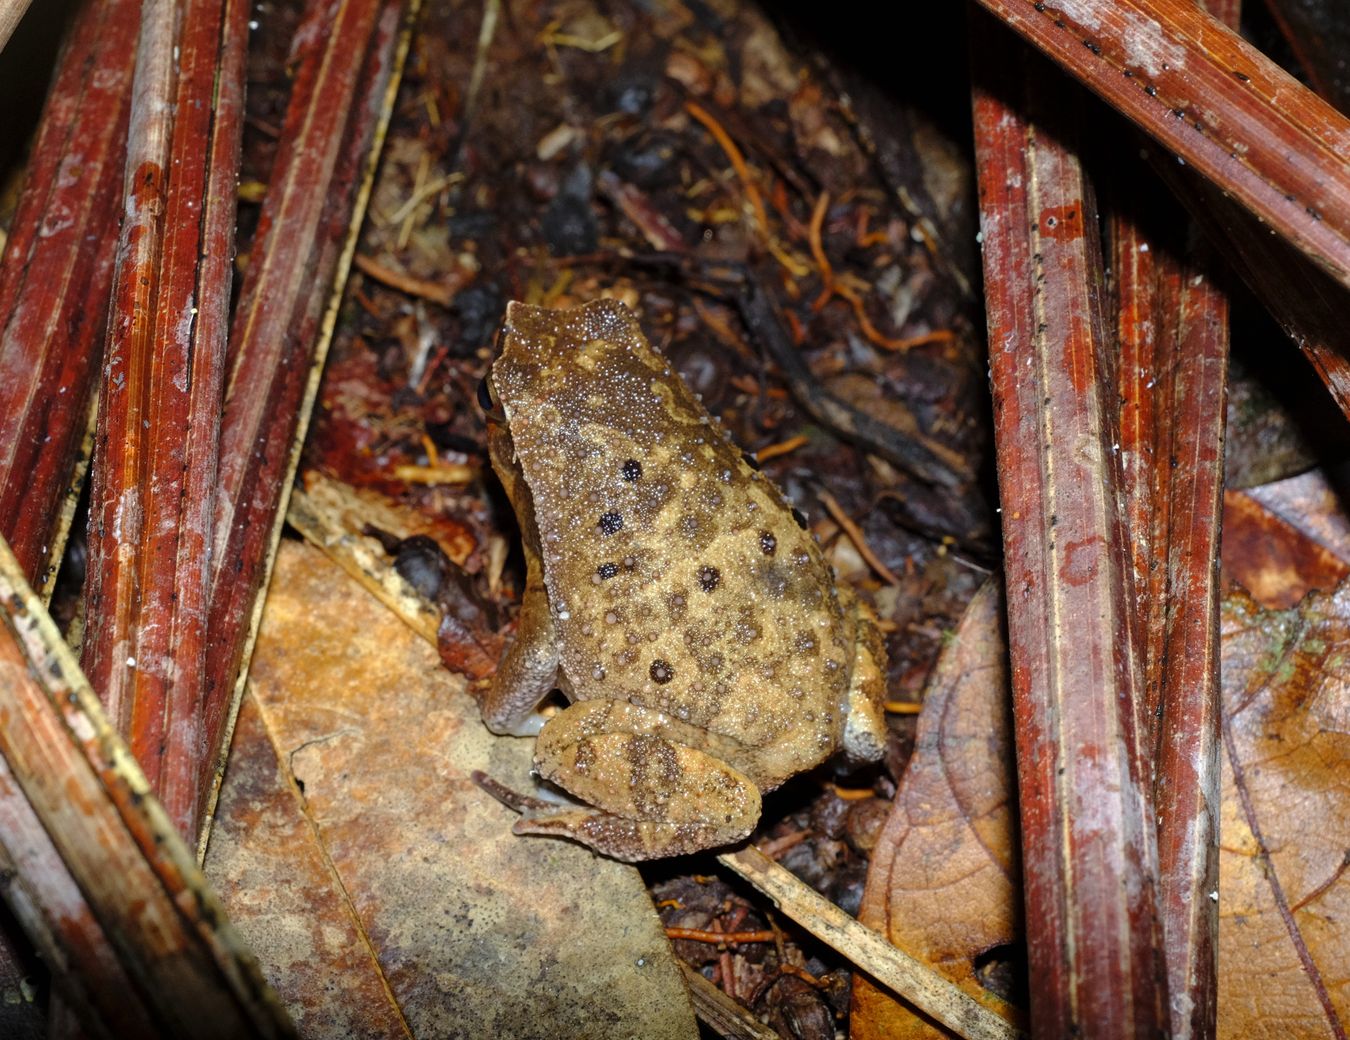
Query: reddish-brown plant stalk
column 55, row 278
column 1216, row 102
column 1172, row 327
column 315, row 202
column 96, row 874
column 159, row 411
column 1088, row 840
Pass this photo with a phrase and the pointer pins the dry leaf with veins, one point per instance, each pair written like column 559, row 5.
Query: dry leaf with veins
column 1284, row 910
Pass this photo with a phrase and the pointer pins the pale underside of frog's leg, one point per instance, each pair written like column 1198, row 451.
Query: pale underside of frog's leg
column 529, row 669
column 651, row 792
column 864, row 738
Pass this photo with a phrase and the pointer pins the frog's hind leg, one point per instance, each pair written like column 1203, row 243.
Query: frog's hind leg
column 654, row 794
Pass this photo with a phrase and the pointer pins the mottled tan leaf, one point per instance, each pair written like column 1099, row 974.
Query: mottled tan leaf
column 1284, row 910
column 478, row 932
column 266, row 862
column 943, row 881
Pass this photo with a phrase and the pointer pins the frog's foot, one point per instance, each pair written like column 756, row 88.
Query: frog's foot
column 864, row 737
column 627, row 840
column 653, row 793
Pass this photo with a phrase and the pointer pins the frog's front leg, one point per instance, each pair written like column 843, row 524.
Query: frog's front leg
column 654, row 793
column 529, row 668
column 864, row 737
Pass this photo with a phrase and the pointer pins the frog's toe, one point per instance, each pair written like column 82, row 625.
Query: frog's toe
column 630, row 840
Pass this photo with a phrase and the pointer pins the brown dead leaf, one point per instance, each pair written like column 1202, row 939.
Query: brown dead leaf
column 1284, row 911
column 1284, row 932
column 269, row 868
column 1271, row 556
column 944, row 876
column 477, row 932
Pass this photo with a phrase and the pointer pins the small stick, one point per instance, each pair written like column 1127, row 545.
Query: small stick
column 725, row 1016
column 913, row 980
column 874, row 335
column 737, row 161
column 818, row 251
column 705, row 936
column 856, row 536
column 781, row 448
column 442, row 293
column 11, row 12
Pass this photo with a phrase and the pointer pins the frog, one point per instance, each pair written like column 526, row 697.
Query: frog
column 679, row 603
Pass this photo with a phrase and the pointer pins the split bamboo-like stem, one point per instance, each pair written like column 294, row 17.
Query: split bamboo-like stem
column 1213, row 100
column 1088, row 840
column 1172, row 329
column 155, row 460
column 340, row 105
column 101, row 881
column 55, row 279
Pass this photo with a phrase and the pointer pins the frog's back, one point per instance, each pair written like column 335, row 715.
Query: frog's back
column 677, row 575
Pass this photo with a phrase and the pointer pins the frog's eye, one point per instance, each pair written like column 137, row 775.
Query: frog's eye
column 486, row 399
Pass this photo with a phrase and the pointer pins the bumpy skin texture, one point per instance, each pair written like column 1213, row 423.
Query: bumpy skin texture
column 671, row 594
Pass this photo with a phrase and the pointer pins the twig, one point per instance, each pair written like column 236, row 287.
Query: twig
column 444, row 473
column 818, row 251
column 733, row 153
column 856, row 536
column 787, row 447
column 725, row 1016
column 870, row 952
column 442, row 293
column 11, row 12
column 702, row 935
column 487, row 29
column 421, row 195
